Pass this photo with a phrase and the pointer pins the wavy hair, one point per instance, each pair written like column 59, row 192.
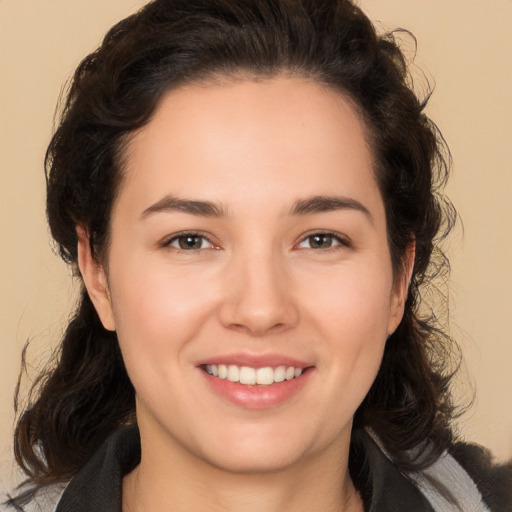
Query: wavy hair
column 85, row 394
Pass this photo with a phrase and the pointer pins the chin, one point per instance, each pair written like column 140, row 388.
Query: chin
column 259, row 450
column 255, row 462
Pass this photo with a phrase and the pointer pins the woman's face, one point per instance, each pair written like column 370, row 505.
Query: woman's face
column 248, row 238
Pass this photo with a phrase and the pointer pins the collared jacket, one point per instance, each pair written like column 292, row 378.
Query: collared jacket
column 462, row 480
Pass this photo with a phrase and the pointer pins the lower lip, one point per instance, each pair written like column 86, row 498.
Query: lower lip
column 257, row 397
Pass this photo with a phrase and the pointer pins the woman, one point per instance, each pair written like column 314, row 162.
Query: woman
column 249, row 192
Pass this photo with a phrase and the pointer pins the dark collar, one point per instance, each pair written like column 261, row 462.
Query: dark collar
column 97, row 486
column 383, row 487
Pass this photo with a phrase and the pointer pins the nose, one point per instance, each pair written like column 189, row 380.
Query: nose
column 259, row 297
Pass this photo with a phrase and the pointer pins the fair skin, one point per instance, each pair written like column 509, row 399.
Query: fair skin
column 248, row 231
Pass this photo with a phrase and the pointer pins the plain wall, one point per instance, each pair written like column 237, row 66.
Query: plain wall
column 464, row 45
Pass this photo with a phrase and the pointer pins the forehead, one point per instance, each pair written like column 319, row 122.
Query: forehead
column 248, row 139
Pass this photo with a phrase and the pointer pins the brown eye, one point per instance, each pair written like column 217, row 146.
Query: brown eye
column 321, row 241
column 189, row 242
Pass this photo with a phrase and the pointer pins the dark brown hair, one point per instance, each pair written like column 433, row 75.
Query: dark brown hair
column 86, row 394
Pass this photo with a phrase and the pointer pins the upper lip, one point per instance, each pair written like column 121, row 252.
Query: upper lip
column 255, row 360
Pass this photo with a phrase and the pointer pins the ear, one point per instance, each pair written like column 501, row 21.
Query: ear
column 401, row 289
column 95, row 280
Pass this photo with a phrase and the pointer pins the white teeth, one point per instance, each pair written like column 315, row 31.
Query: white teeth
column 247, row 375
column 265, row 376
column 222, row 371
column 251, row 376
column 233, row 373
column 279, row 374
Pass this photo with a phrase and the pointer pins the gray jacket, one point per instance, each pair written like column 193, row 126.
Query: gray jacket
column 462, row 480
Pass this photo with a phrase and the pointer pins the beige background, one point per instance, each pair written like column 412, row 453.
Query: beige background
column 464, row 44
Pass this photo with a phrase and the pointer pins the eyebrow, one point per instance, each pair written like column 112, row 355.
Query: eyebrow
column 320, row 204
column 172, row 203
column 308, row 206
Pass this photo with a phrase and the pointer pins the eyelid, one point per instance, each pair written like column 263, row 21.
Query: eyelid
column 167, row 241
column 343, row 240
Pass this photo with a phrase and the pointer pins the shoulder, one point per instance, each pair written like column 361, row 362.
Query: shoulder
column 464, row 478
column 45, row 500
column 96, row 486
column 494, row 481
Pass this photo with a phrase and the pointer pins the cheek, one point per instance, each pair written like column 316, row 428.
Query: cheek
column 354, row 300
column 157, row 310
column 158, row 317
column 350, row 312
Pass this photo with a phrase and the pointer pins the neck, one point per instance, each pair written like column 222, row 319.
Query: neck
column 176, row 480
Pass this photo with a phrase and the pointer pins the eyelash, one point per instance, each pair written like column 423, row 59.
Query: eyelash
column 340, row 240
column 186, row 234
column 336, row 237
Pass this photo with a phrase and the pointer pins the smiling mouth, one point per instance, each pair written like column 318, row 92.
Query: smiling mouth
column 265, row 376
